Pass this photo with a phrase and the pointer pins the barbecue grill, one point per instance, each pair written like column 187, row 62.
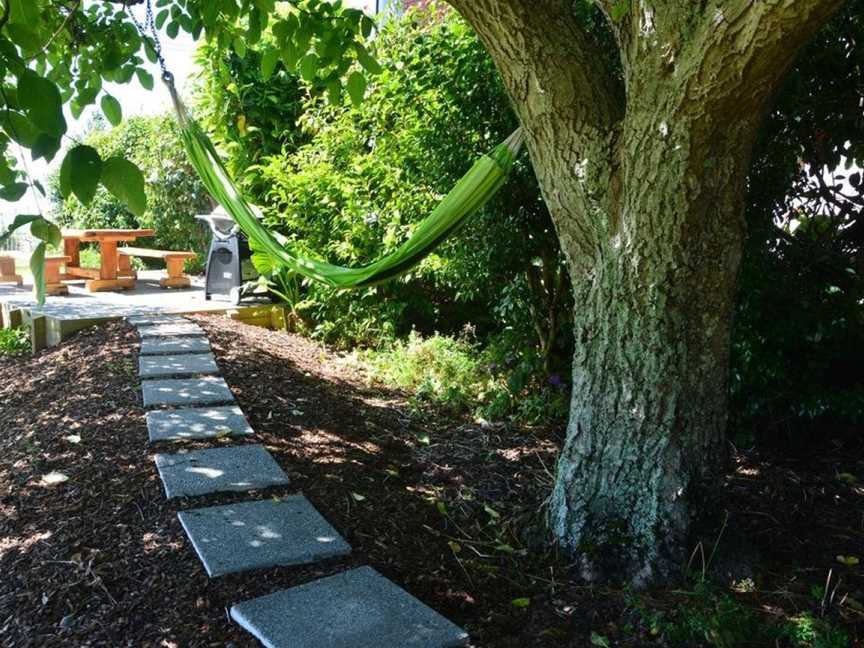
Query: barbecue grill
column 228, row 265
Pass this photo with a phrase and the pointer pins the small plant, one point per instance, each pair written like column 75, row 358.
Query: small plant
column 14, row 342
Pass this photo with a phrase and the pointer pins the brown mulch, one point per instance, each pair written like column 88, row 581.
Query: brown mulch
column 92, row 554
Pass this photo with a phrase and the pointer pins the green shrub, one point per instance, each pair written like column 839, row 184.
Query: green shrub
column 459, row 376
column 714, row 618
column 14, row 341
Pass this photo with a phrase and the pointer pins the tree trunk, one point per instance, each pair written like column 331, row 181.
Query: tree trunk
column 643, row 169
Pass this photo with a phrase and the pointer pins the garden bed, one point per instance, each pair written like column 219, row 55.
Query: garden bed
column 91, row 552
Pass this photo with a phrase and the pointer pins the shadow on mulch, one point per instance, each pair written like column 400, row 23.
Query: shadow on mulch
column 91, row 552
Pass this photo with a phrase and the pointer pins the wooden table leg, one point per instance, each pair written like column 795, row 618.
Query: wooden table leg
column 108, row 270
column 72, row 249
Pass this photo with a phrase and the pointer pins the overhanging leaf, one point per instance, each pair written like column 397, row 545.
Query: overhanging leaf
column 356, row 87
column 112, row 110
column 85, row 169
column 126, row 182
column 37, row 268
column 41, row 101
column 47, row 231
column 20, row 221
column 268, row 62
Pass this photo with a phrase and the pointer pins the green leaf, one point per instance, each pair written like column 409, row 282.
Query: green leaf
column 521, row 602
column 356, row 87
column 65, row 184
column 366, row 26
column 268, row 62
column 45, row 230
column 172, row 29
column 126, row 182
column 367, row 60
column 41, row 101
column 13, row 192
column 112, row 109
column 45, row 146
column 144, row 78
column 85, row 168
column 20, row 129
column 161, row 17
column 24, row 37
column 334, row 92
column 37, row 268
column 309, row 67
column 20, row 221
column 599, row 640
column 290, row 56
column 239, row 46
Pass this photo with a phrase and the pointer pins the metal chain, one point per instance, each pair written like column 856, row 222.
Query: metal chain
column 150, row 24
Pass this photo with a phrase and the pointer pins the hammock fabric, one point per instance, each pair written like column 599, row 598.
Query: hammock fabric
column 472, row 191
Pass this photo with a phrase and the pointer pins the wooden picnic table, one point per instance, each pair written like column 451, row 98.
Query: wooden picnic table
column 107, row 276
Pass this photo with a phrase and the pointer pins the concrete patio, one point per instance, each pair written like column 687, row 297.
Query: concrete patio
column 62, row 316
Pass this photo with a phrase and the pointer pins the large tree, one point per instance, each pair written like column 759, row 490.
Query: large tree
column 642, row 159
column 641, row 156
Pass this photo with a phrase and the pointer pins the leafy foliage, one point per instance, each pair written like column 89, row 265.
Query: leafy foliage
column 14, row 341
column 500, row 380
column 370, row 172
column 799, row 340
column 54, row 53
column 168, row 203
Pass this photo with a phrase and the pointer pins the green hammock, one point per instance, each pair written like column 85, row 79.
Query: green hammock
column 468, row 195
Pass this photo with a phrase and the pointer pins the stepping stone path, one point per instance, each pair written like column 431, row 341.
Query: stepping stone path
column 217, row 470
column 264, row 533
column 186, row 364
column 209, row 390
column 357, row 608
column 196, row 423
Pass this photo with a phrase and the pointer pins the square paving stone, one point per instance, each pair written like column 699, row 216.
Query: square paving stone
column 253, row 535
column 355, row 609
column 201, row 472
column 187, row 364
column 180, row 329
column 196, row 423
column 207, row 390
column 173, row 345
column 148, row 320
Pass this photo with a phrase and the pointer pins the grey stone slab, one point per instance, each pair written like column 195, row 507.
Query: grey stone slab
column 184, row 329
column 196, row 423
column 207, row 390
column 149, row 320
column 355, row 609
column 174, row 345
column 201, row 472
column 267, row 533
column 186, row 364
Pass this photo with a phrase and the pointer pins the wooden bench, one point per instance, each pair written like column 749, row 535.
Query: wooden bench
column 173, row 264
column 7, row 271
column 53, row 283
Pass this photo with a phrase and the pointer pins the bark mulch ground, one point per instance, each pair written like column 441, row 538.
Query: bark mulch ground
column 92, row 554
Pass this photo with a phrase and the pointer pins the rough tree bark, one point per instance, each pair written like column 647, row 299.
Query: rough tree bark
column 642, row 161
